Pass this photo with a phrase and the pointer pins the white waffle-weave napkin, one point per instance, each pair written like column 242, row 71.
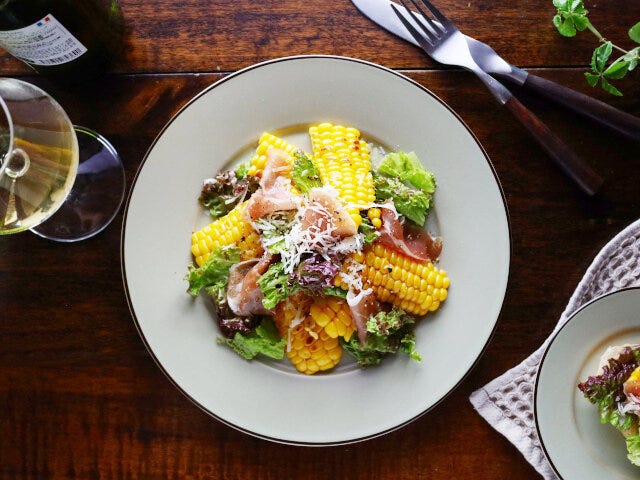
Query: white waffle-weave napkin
column 507, row 401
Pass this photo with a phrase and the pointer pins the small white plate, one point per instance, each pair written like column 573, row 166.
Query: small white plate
column 222, row 124
column 576, row 444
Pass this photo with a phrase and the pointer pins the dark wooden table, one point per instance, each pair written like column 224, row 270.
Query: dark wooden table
column 80, row 397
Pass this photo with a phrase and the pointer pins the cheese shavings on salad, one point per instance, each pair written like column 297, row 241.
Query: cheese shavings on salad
column 309, row 255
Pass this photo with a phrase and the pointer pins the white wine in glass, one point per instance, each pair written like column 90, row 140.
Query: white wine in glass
column 48, row 166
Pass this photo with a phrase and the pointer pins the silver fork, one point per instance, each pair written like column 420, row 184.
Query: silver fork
column 443, row 42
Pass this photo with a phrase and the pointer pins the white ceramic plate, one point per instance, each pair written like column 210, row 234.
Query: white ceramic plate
column 577, row 445
column 222, row 124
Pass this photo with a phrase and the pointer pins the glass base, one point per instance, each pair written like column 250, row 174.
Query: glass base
column 96, row 196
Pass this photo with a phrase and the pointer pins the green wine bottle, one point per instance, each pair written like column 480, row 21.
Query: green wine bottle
column 69, row 41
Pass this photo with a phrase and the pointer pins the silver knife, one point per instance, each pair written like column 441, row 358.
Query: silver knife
column 380, row 12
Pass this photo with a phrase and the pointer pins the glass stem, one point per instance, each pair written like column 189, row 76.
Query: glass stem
column 18, row 163
column 11, row 214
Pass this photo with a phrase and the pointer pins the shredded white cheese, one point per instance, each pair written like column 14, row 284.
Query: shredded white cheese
column 317, row 238
column 354, row 299
column 297, row 320
column 352, row 276
column 632, row 405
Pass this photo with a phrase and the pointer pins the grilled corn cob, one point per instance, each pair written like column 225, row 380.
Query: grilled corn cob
column 312, row 349
column 334, row 316
column 416, row 287
column 232, row 229
column 259, row 159
column 344, row 163
column 311, row 346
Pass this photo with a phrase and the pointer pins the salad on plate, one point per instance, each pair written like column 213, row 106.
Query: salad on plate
column 615, row 389
column 310, row 254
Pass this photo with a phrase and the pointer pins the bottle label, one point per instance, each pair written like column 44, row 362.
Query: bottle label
column 46, row 42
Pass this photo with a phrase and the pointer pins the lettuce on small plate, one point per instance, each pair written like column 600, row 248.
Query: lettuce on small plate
column 221, row 126
column 577, row 444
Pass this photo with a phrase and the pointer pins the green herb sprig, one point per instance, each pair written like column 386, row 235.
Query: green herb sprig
column 572, row 17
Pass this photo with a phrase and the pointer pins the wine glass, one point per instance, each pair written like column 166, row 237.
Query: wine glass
column 62, row 182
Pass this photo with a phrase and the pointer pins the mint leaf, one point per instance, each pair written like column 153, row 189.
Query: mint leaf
column 571, row 17
column 616, row 70
column 634, row 33
column 600, row 57
column 601, row 73
column 607, row 87
column 592, row 79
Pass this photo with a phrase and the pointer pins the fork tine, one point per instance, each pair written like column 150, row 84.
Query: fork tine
column 425, row 40
column 433, row 25
column 430, row 29
column 436, row 13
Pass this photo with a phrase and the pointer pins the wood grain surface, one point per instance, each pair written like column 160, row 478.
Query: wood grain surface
column 80, row 397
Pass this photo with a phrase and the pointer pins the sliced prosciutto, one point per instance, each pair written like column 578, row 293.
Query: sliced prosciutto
column 274, row 194
column 363, row 306
column 244, row 295
column 408, row 239
column 326, row 212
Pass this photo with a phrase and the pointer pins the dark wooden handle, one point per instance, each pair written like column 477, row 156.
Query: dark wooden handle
column 576, row 169
column 615, row 119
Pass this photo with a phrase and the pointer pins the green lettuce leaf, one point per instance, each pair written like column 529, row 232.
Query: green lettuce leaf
column 408, row 346
column 410, row 202
column 273, row 230
column 242, row 169
column 215, row 272
column 264, row 340
column 368, row 230
column 221, row 194
column 335, row 292
column 305, row 174
column 633, row 449
column 387, row 332
column 402, row 178
column 275, row 285
column 406, row 167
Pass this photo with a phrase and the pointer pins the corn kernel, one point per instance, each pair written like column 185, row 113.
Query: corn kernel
column 343, row 162
column 334, row 316
column 232, row 229
column 318, row 352
column 417, row 287
column 266, row 141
